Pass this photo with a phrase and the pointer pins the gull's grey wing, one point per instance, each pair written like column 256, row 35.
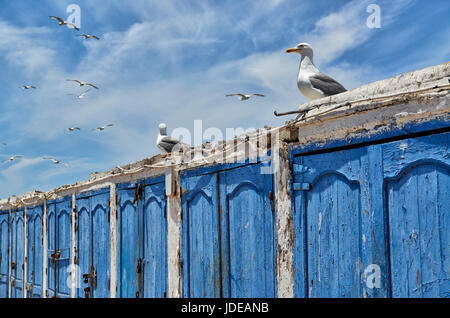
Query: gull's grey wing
column 242, row 95
column 56, row 18
column 92, row 85
column 326, row 84
column 260, row 95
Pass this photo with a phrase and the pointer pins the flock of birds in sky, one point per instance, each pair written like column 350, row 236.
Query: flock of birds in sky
column 311, row 82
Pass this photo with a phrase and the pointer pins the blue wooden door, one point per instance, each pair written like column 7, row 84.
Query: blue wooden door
column 417, row 190
column 4, row 253
column 84, row 245
column 200, row 245
column 339, row 225
column 63, row 243
column 34, row 254
column 129, row 244
column 59, row 251
column 93, row 245
column 100, row 244
column 51, row 250
column 247, row 214
column 155, row 242
column 17, row 254
column 228, row 234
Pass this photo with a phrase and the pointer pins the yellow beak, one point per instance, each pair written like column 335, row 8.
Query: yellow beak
column 291, row 50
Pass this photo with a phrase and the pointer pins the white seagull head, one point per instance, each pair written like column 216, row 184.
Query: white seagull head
column 163, row 129
column 304, row 49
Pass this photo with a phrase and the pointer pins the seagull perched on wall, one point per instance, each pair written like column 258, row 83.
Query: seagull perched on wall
column 27, row 87
column 12, row 158
column 81, row 84
column 87, row 36
column 311, row 82
column 55, row 161
column 61, row 22
column 168, row 144
column 243, row 97
column 102, row 127
column 73, row 129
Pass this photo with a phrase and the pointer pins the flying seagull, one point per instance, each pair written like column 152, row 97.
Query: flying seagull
column 87, row 36
column 27, row 87
column 311, row 82
column 61, row 22
column 81, row 96
column 73, row 129
column 55, row 161
column 12, row 158
column 167, row 144
column 2, row 143
column 243, row 97
column 81, row 84
column 102, row 127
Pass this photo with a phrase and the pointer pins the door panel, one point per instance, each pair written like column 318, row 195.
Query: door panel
column 4, row 253
column 100, row 244
column 34, row 256
column 418, row 190
column 339, row 225
column 248, row 233
column 155, row 242
column 63, row 243
column 17, row 255
column 129, row 243
column 51, row 249
column 84, row 243
column 201, row 259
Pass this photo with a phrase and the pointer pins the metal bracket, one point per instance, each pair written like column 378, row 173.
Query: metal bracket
column 302, row 186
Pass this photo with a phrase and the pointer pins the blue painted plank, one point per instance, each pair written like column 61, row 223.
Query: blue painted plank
column 17, row 255
column 129, row 244
column 4, row 253
column 63, row 244
column 339, row 225
column 51, row 249
column 155, row 242
column 101, row 244
column 35, row 254
column 200, row 238
column 417, row 173
column 248, row 239
column 84, row 243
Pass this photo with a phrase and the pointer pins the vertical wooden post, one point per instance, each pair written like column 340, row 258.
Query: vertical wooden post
column 285, row 228
column 9, row 253
column 113, row 243
column 44, row 251
column 174, row 232
column 25, row 253
column 73, row 267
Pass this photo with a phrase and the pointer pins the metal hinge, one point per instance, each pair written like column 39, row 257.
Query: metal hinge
column 297, row 168
column 272, row 202
column 301, row 186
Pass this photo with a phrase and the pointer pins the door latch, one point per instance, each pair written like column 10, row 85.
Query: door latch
column 139, row 266
column 91, row 277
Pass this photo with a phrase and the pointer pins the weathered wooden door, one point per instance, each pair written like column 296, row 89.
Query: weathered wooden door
column 374, row 221
column 228, row 244
column 59, row 251
column 339, row 225
column 93, row 245
column 17, row 253
column 142, row 270
column 247, row 213
column 417, row 190
column 201, row 252
column 34, row 254
column 4, row 253
column 155, row 242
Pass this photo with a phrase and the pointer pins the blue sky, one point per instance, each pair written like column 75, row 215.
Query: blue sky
column 174, row 61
